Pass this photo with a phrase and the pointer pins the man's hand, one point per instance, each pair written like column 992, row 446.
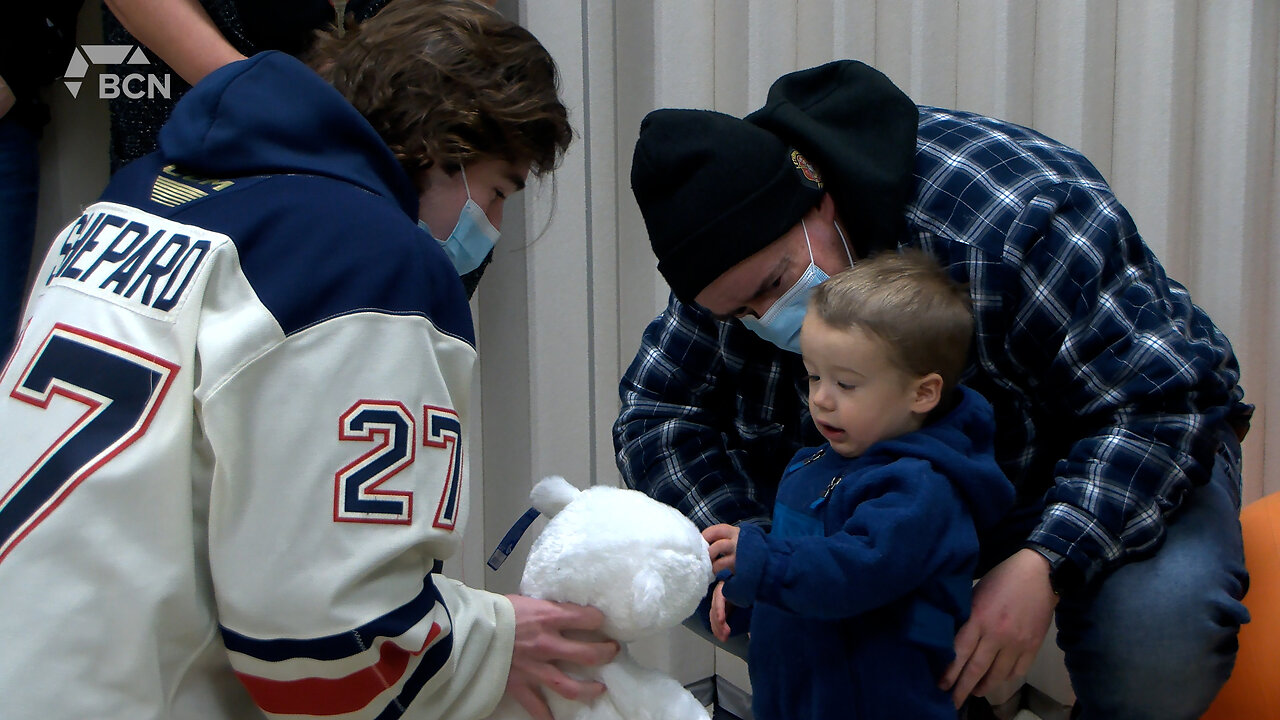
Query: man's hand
column 723, row 540
column 542, row 640
column 1012, row 607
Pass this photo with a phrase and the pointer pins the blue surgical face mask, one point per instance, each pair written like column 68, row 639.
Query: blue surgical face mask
column 780, row 324
column 473, row 237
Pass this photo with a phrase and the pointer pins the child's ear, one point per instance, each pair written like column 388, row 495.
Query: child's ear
column 927, row 393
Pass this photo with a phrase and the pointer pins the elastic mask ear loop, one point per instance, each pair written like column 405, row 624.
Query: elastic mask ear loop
column 844, row 242
column 782, row 302
column 465, row 185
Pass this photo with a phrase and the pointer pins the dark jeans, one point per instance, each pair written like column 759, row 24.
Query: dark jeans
column 1157, row 638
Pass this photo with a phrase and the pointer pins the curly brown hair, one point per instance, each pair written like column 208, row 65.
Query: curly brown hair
column 450, row 82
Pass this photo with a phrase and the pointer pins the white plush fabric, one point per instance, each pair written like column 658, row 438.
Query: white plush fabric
column 643, row 564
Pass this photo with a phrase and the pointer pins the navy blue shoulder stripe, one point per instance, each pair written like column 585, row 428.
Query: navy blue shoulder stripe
column 316, row 248
column 343, row 644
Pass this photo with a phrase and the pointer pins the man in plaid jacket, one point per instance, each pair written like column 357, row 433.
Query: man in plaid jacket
column 1117, row 401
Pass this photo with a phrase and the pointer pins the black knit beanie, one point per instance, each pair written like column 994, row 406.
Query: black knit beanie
column 713, row 190
column 855, row 124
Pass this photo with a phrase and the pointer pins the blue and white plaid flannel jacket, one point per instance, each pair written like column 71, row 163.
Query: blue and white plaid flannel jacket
column 1110, row 387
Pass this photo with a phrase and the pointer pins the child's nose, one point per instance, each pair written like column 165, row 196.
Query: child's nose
column 820, row 396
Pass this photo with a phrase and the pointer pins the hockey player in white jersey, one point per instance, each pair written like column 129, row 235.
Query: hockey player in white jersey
column 233, row 452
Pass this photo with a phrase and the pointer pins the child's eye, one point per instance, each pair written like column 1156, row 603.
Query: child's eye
column 845, row 386
column 813, row 379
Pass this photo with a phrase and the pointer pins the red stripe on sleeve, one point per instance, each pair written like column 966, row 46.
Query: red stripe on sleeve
column 335, row 696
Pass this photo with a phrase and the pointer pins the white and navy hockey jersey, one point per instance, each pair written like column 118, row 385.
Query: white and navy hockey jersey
column 233, row 449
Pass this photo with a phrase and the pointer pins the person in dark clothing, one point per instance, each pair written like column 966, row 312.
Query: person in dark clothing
column 36, row 40
column 858, row 589
column 1118, row 407
column 191, row 38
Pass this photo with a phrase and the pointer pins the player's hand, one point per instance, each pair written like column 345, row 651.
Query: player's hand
column 548, row 633
column 720, row 613
column 1012, row 607
column 723, row 540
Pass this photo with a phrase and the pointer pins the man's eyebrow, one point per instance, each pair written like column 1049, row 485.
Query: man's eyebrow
column 780, row 264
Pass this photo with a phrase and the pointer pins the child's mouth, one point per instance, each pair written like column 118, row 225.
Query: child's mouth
column 830, row 432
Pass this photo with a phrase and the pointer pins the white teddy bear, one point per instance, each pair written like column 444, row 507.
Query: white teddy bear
column 643, row 564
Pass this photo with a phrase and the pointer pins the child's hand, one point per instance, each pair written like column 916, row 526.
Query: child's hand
column 720, row 613
column 724, row 546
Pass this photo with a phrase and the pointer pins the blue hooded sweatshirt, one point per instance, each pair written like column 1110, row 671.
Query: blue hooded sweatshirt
column 323, row 215
column 859, row 588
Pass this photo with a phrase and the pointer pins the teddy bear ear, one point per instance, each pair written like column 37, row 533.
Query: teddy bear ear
column 551, row 494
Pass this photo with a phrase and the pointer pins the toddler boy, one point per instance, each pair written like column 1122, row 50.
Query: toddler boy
column 858, row 589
